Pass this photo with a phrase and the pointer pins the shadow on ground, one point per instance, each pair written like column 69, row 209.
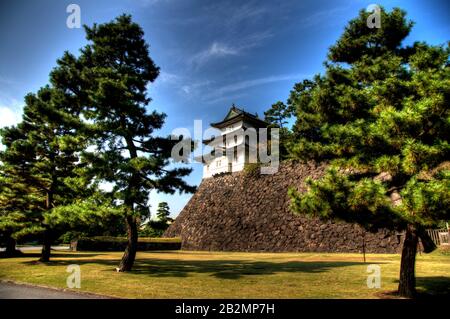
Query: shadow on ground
column 235, row 269
column 224, row 269
column 427, row 287
column 37, row 255
column 433, row 286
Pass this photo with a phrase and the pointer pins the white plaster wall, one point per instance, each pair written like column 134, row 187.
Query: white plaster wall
column 220, row 164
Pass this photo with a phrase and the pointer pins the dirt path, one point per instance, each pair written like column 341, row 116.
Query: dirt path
column 15, row 291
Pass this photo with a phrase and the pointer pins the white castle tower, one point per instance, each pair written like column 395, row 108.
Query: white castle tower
column 237, row 143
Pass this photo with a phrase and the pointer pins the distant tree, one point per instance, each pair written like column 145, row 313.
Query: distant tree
column 163, row 211
column 156, row 228
column 278, row 114
column 307, row 124
column 110, row 78
column 380, row 116
column 146, row 216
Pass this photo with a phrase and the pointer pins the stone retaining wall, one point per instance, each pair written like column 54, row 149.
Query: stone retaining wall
column 246, row 211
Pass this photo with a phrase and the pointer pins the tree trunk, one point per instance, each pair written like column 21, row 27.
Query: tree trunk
column 47, row 238
column 130, row 252
column 10, row 247
column 427, row 243
column 407, row 283
column 46, row 247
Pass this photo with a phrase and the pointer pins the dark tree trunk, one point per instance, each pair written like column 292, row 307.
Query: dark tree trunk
column 46, row 247
column 126, row 264
column 10, row 250
column 427, row 243
column 407, row 283
column 47, row 238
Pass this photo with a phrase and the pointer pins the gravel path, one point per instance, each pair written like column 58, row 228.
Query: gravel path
column 15, row 291
column 28, row 248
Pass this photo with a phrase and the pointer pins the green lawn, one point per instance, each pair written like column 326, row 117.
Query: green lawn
column 183, row 274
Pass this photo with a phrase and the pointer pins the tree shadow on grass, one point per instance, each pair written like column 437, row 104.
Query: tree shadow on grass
column 427, row 287
column 433, row 286
column 58, row 255
column 222, row 269
column 232, row 269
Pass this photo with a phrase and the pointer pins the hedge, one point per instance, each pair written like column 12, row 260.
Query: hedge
column 119, row 244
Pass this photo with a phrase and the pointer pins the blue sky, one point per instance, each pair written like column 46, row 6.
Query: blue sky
column 211, row 53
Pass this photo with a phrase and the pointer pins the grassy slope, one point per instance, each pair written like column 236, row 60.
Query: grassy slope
column 182, row 274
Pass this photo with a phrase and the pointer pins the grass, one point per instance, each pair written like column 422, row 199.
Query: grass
column 183, row 274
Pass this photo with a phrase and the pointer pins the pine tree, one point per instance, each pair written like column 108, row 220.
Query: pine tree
column 380, row 117
column 163, row 211
column 16, row 201
column 110, row 78
column 39, row 164
column 278, row 114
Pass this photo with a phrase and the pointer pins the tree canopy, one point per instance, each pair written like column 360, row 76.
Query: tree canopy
column 41, row 162
column 379, row 115
column 110, row 80
column 89, row 126
column 278, row 114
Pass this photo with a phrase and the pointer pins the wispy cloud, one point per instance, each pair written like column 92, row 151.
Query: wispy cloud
column 219, row 49
column 167, row 77
column 8, row 117
column 10, row 107
column 10, row 112
column 148, row 3
column 216, row 49
column 213, row 12
column 227, row 98
column 234, row 87
column 247, row 12
column 230, row 29
column 326, row 17
column 233, row 92
column 194, row 87
column 207, row 90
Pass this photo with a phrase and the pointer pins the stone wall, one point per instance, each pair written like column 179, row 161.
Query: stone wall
column 246, row 211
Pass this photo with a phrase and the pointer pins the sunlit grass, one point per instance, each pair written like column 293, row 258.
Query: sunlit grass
column 183, row 274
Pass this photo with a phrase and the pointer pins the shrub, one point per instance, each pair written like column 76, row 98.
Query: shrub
column 105, row 243
column 155, row 228
column 252, row 169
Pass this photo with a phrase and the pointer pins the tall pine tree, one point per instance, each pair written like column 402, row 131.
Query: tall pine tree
column 111, row 77
column 380, row 116
column 163, row 211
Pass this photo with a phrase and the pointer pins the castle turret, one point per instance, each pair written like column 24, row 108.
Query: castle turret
column 237, row 143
